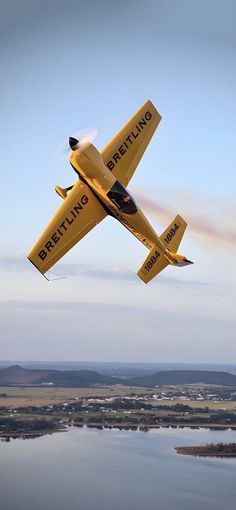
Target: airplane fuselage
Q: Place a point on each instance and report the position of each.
(88, 163)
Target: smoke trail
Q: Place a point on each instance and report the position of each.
(207, 228)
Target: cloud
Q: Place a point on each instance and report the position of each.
(112, 273)
(79, 330)
(112, 319)
(20, 263)
(14, 263)
(152, 315)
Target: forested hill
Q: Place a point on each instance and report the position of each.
(16, 375)
(172, 377)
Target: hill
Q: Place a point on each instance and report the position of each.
(172, 377)
(18, 376)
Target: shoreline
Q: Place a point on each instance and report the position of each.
(202, 451)
(32, 433)
(173, 425)
(120, 426)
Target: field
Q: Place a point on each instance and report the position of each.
(224, 405)
(29, 396)
(23, 397)
(57, 406)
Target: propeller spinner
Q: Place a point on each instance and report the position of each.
(83, 135)
(73, 143)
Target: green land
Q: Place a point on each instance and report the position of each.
(32, 411)
(209, 450)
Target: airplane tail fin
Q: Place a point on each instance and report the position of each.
(172, 236)
(158, 259)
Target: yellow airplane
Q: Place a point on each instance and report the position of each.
(100, 191)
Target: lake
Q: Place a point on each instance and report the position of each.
(93, 469)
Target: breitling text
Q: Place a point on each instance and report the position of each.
(63, 227)
(129, 140)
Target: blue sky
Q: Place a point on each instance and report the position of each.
(68, 65)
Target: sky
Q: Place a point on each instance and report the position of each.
(67, 65)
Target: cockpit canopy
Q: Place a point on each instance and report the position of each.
(122, 199)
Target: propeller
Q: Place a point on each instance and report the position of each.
(73, 140)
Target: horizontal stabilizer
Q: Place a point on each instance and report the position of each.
(155, 262)
(158, 259)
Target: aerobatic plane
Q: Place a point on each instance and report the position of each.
(100, 190)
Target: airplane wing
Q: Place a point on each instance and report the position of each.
(77, 215)
(123, 153)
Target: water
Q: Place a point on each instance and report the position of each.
(93, 469)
